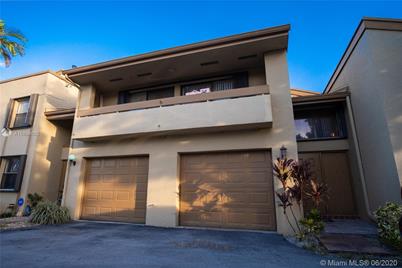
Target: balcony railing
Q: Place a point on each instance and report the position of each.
(234, 109)
(211, 96)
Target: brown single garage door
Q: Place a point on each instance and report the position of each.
(116, 189)
(227, 190)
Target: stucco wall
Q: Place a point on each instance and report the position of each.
(256, 110)
(163, 151)
(42, 142)
(372, 74)
(388, 70)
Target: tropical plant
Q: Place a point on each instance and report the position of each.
(283, 172)
(10, 211)
(48, 212)
(301, 175)
(312, 225)
(295, 177)
(317, 192)
(388, 217)
(34, 199)
(11, 43)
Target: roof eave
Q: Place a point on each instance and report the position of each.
(273, 31)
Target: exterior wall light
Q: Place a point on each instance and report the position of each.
(72, 159)
(283, 152)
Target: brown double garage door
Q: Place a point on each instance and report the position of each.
(221, 190)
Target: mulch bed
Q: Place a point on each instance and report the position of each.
(16, 223)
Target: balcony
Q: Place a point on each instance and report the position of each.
(234, 109)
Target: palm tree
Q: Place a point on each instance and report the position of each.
(11, 43)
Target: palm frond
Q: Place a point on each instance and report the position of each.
(11, 43)
(6, 56)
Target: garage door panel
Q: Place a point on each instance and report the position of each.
(122, 195)
(200, 187)
(205, 175)
(112, 171)
(231, 190)
(250, 218)
(126, 163)
(248, 198)
(107, 195)
(208, 218)
(91, 195)
(115, 189)
(93, 178)
(110, 203)
(95, 163)
(106, 212)
(110, 163)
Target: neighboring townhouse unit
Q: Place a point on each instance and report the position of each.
(371, 70)
(31, 142)
(325, 135)
(184, 136)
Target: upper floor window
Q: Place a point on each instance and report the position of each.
(11, 172)
(321, 122)
(145, 94)
(231, 81)
(21, 112)
(216, 84)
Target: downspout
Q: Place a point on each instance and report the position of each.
(359, 159)
(67, 175)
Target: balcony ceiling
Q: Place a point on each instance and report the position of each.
(233, 53)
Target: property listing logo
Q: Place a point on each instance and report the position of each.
(5, 132)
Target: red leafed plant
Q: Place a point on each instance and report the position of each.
(294, 177)
(283, 169)
(318, 191)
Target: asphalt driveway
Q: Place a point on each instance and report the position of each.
(89, 244)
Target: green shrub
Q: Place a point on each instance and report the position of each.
(7, 214)
(311, 226)
(48, 212)
(34, 199)
(388, 217)
(10, 211)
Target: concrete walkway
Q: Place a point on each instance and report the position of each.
(355, 227)
(353, 236)
(89, 244)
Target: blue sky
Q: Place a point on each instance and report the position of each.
(65, 33)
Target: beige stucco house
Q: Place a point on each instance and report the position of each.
(31, 141)
(370, 69)
(186, 137)
(150, 149)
